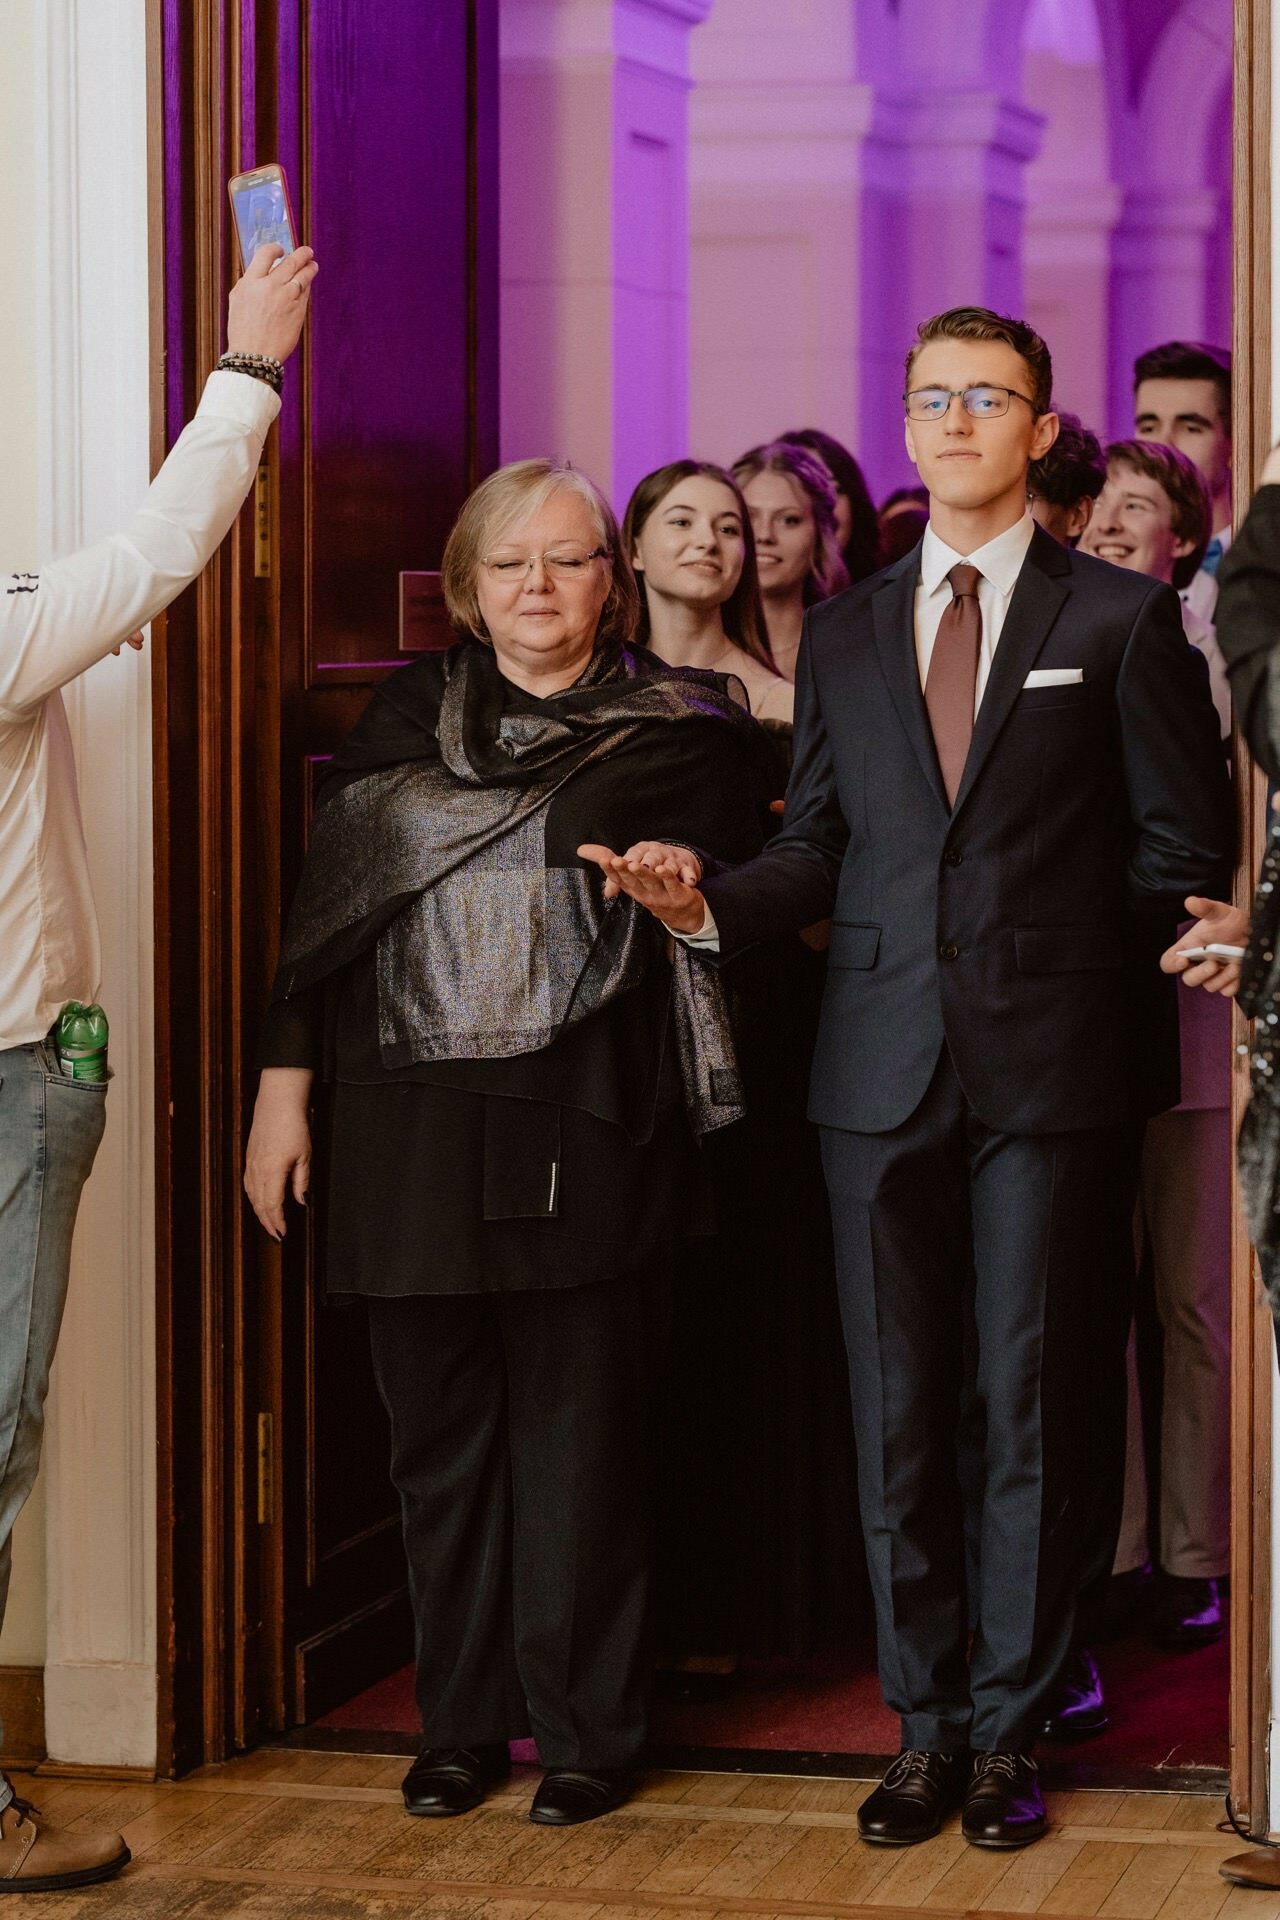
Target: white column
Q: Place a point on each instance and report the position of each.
(92, 276)
(841, 191)
(1159, 259)
(594, 234)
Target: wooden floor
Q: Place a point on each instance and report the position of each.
(311, 1836)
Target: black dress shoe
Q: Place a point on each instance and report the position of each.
(1004, 1806)
(1189, 1613)
(917, 1793)
(446, 1780)
(1126, 1605)
(1079, 1708)
(566, 1798)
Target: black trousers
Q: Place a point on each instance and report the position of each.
(521, 1449)
(977, 1272)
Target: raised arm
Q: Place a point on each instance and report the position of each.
(55, 624)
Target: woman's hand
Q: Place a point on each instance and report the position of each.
(660, 877)
(1217, 924)
(279, 1151)
(134, 640)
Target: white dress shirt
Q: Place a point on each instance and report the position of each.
(1202, 594)
(52, 626)
(999, 563)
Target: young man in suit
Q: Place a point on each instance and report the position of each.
(1007, 775)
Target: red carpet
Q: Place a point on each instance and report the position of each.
(1167, 1711)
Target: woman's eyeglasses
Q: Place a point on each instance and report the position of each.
(984, 403)
(511, 567)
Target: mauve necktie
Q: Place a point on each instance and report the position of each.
(951, 684)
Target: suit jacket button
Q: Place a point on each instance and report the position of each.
(952, 858)
(948, 950)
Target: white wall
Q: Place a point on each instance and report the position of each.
(22, 1642)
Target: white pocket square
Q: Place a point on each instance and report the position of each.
(1054, 677)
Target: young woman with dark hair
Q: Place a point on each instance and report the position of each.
(688, 535)
(857, 530)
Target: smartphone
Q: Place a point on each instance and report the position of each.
(261, 212)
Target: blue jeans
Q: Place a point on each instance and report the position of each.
(50, 1128)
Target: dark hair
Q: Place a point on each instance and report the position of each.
(1189, 360)
(901, 532)
(827, 574)
(905, 496)
(979, 323)
(1074, 468)
(861, 551)
(1185, 488)
(742, 614)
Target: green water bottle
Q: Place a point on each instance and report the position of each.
(80, 1041)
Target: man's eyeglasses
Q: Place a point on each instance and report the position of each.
(984, 403)
(511, 567)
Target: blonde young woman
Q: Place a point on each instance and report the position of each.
(791, 498)
(688, 532)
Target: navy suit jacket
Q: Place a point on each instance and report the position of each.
(1008, 926)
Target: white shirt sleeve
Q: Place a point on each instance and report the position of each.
(707, 937)
(55, 624)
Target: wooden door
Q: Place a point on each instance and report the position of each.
(282, 1578)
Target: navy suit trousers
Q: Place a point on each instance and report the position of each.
(984, 1282)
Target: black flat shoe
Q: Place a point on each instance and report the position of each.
(1188, 1613)
(1079, 1709)
(1004, 1806)
(917, 1793)
(444, 1781)
(566, 1798)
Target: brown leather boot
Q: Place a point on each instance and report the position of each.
(38, 1858)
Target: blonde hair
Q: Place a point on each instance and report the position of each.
(506, 498)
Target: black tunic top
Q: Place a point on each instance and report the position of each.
(434, 1177)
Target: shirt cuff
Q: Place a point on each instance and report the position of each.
(251, 403)
(708, 935)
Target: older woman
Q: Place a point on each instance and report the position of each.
(520, 1071)
(791, 497)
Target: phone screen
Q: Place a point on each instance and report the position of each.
(262, 216)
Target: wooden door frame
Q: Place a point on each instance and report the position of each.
(1252, 1337)
(201, 1471)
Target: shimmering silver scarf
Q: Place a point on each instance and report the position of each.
(483, 950)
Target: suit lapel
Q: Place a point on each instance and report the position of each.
(893, 608)
(1043, 585)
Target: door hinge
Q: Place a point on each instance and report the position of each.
(266, 1470)
(263, 556)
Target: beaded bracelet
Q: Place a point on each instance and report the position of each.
(259, 366)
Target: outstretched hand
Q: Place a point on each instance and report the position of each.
(662, 878)
(1217, 924)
